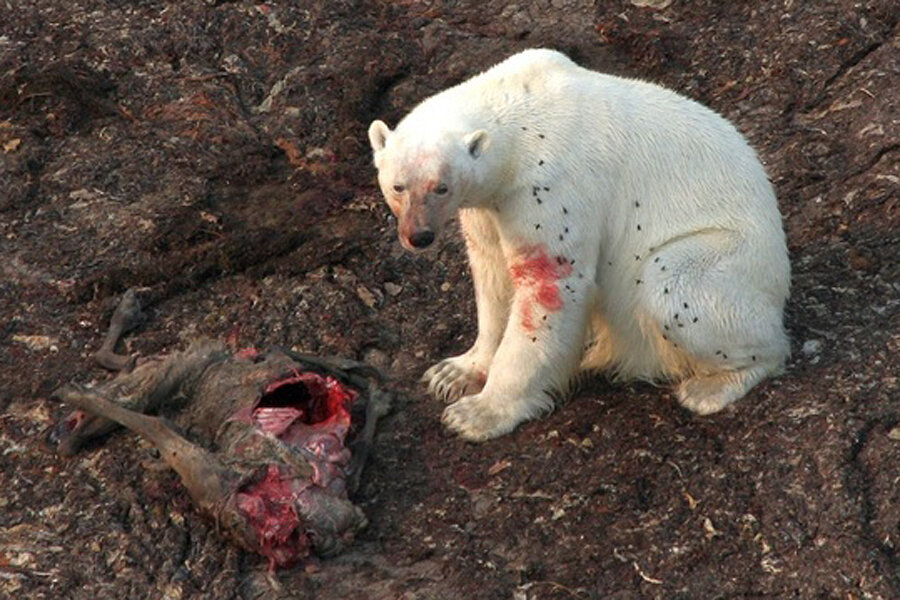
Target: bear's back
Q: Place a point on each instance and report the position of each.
(640, 141)
(536, 61)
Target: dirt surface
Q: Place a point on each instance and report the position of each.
(213, 154)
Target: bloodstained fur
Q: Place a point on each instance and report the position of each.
(535, 270)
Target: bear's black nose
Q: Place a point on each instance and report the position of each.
(422, 239)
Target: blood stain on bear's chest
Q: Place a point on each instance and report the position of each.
(538, 273)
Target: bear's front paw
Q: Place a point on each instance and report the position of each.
(454, 378)
(477, 418)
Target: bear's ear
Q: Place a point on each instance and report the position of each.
(477, 142)
(378, 135)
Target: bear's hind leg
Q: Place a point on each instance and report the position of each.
(707, 394)
(717, 304)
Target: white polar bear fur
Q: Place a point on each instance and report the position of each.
(677, 264)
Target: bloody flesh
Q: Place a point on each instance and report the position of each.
(319, 399)
(309, 413)
(269, 508)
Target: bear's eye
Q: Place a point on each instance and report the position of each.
(441, 189)
(399, 188)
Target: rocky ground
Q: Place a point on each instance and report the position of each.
(213, 154)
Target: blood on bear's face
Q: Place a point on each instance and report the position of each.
(422, 202)
(423, 182)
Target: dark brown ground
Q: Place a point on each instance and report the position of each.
(214, 154)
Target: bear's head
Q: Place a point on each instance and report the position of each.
(426, 176)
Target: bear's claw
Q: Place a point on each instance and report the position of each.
(449, 380)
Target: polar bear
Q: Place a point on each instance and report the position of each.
(610, 224)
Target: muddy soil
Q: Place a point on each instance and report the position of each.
(213, 154)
